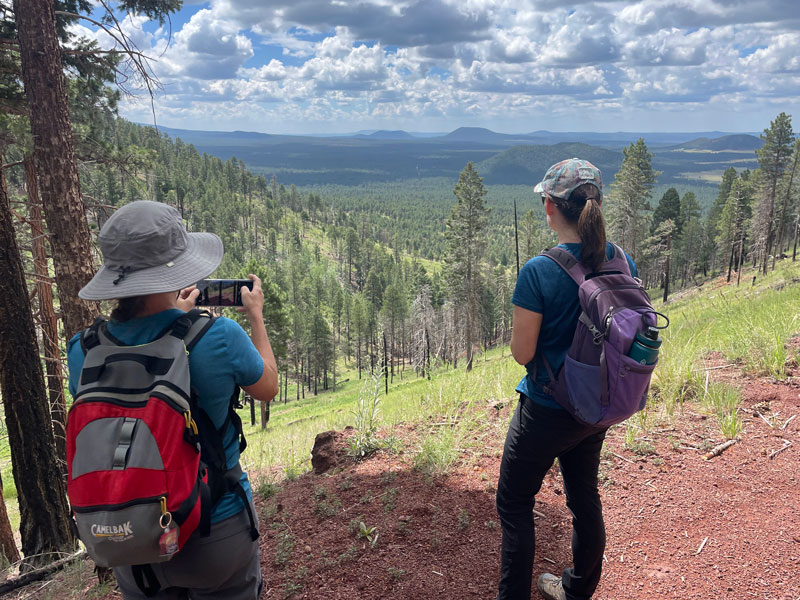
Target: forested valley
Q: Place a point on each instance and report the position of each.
(351, 288)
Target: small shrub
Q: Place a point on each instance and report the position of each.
(354, 522)
(366, 440)
(326, 506)
(463, 519)
(403, 527)
(266, 488)
(438, 454)
(370, 534)
(347, 555)
(290, 588)
(389, 499)
(643, 448)
(284, 548)
(389, 477)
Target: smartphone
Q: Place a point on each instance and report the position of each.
(222, 292)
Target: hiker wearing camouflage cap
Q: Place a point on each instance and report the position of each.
(563, 177)
(546, 311)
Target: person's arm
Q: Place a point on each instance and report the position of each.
(266, 388)
(525, 334)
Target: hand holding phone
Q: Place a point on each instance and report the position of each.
(222, 292)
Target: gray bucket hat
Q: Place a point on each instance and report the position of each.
(147, 250)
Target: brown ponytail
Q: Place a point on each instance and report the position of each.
(583, 207)
(591, 228)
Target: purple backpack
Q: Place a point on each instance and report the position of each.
(599, 383)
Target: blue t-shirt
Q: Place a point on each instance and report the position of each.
(543, 287)
(222, 358)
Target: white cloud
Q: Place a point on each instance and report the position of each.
(207, 47)
(304, 62)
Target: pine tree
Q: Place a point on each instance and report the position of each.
(630, 194)
(773, 159)
(669, 207)
(466, 245)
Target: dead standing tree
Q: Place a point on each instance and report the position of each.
(48, 319)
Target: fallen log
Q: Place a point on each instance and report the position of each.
(37, 574)
(717, 450)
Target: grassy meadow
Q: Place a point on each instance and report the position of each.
(748, 325)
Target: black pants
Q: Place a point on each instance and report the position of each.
(536, 436)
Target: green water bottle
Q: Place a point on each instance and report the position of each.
(644, 349)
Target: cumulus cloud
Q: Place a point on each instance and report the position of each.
(208, 47)
(436, 61)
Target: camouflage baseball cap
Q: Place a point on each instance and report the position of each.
(565, 176)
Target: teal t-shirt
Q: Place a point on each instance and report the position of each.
(543, 287)
(222, 358)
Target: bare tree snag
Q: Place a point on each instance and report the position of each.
(54, 153)
(44, 524)
(48, 319)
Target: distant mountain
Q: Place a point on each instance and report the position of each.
(526, 165)
(201, 134)
(500, 158)
(735, 143)
(383, 134)
(480, 135)
(618, 139)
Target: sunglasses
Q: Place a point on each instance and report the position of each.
(544, 197)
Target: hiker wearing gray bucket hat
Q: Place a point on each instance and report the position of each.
(150, 265)
(546, 312)
(147, 250)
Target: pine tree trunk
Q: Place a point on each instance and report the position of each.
(741, 261)
(45, 90)
(9, 553)
(666, 274)
(731, 258)
(44, 520)
(47, 315)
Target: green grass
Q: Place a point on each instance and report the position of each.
(450, 397)
(748, 325)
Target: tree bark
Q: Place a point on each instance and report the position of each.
(47, 316)
(44, 520)
(8, 545)
(54, 153)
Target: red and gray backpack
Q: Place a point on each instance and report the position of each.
(146, 464)
(599, 384)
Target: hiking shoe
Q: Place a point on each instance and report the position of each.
(550, 587)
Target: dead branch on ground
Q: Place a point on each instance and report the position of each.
(717, 450)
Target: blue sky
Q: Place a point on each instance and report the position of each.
(332, 66)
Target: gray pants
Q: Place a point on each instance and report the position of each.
(225, 565)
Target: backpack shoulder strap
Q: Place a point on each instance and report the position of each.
(200, 322)
(90, 336)
(618, 262)
(567, 261)
(97, 333)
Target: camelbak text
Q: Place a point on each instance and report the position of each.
(112, 530)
